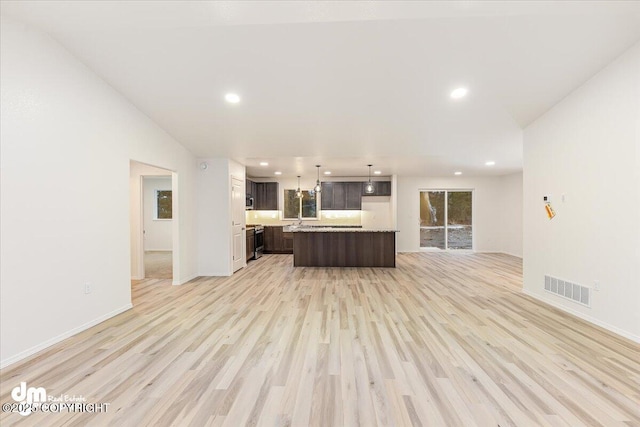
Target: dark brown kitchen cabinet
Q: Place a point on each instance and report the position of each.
(269, 242)
(266, 196)
(250, 188)
(353, 195)
(380, 188)
(341, 196)
(276, 241)
(326, 196)
(287, 242)
(250, 243)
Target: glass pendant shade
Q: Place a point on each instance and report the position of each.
(368, 188)
(318, 187)
(298, 191)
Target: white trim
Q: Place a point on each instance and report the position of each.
(446, 218)
(582, 316)
(48, 343)
(178, 282)
(496, 251)
(215, 274)
(509, 253)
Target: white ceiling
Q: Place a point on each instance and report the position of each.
(343, 84)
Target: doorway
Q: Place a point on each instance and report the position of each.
(238, 197)
(157, 233)
(153, 222)
(446, 219)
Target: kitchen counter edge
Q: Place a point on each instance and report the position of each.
(289, 229)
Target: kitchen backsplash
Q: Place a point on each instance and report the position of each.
(326, 217)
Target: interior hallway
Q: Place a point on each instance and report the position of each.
(158, 264)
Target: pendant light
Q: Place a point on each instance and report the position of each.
(368, 188)
(298, 191)
(318, 187)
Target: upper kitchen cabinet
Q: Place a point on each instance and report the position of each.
(341, 196)
(326, 196)
(266, 196)
(380, 188)
(353, 195)
(250, 188)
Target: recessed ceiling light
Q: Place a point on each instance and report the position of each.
(377, 172)
(277, 173)
(233, 98)
(490, 163)
(264, 164)
(461, 92)
(457, 173)
(327, 172)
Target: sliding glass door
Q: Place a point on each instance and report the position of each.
(432, 219)
(446, 219)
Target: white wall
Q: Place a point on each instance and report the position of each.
(215, 244)
(157, 232)
(511, 213)
(376, 212)
(495, 206)
(587, 148)
(66, 140)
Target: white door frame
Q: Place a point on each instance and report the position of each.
(138, 220)
(238, 250)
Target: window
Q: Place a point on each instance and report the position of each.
(164, 202)
(446, 219)
(300, 208)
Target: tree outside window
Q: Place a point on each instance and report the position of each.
(164, 204)
(300, 208)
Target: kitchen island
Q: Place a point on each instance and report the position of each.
(343, 247)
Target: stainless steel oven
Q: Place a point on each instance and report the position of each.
(259, 241)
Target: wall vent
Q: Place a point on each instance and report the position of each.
(568, 290)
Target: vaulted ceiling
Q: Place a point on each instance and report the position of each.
(343, 84)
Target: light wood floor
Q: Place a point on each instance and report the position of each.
(442, 340)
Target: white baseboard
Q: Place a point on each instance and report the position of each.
(48, 343)
(583, 316)
(509, 253)
(455, 251)
(215, 274)
(182, 281)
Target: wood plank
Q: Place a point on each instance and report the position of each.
(443, 339)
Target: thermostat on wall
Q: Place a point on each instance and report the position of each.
(547, 198)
